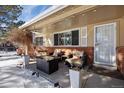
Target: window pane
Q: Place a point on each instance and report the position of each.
(61, 39)
(98, 34)
(68, 38)
(75, 37)
(39, 40)
(55, 39)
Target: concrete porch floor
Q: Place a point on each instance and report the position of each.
(91, 79)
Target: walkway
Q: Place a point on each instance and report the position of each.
(14, 77)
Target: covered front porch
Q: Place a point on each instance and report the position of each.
(84, 29)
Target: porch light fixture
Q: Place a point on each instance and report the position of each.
(63, 11)
(73, 16)
(94, 10)
(83, 14)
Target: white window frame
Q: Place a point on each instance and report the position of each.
(52, 39)
(38, 42)
(44, 39)
(69, 30)
(84, 36)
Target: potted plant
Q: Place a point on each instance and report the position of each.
(75, 73)
(75, 78)
(23, 38)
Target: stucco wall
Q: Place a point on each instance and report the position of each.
(90, 33)
(90, 19)
(77, 17)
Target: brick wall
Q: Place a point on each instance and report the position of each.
(120, 59)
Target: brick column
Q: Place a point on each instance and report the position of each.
(120, 59)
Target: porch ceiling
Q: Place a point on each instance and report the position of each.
(38, 25)
(103, 13)
(88, 15)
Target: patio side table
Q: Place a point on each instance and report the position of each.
(47, 64)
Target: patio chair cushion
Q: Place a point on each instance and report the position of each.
(73, 62)
(77, 62)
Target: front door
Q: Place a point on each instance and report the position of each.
(105, 44)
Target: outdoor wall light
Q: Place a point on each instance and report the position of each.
(73, 16)
(83, 14)
(63, 11)
(94, 10)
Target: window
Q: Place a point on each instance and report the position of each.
(84, 36)
(55, 39)
(67, 38)
(61, 39)
(39, 41)
(75, 37)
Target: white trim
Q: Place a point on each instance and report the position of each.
(52, 39)
(46, 13)
(66, 30)
(44, 38)
(115, 30)
(38, 42)
(69, 30)
(79, 37)
(86, 36)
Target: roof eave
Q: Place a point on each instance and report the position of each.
(43, 15)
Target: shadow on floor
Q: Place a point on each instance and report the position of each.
(105, 72)
(13, 77)
(61, 76)
(95, 78)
